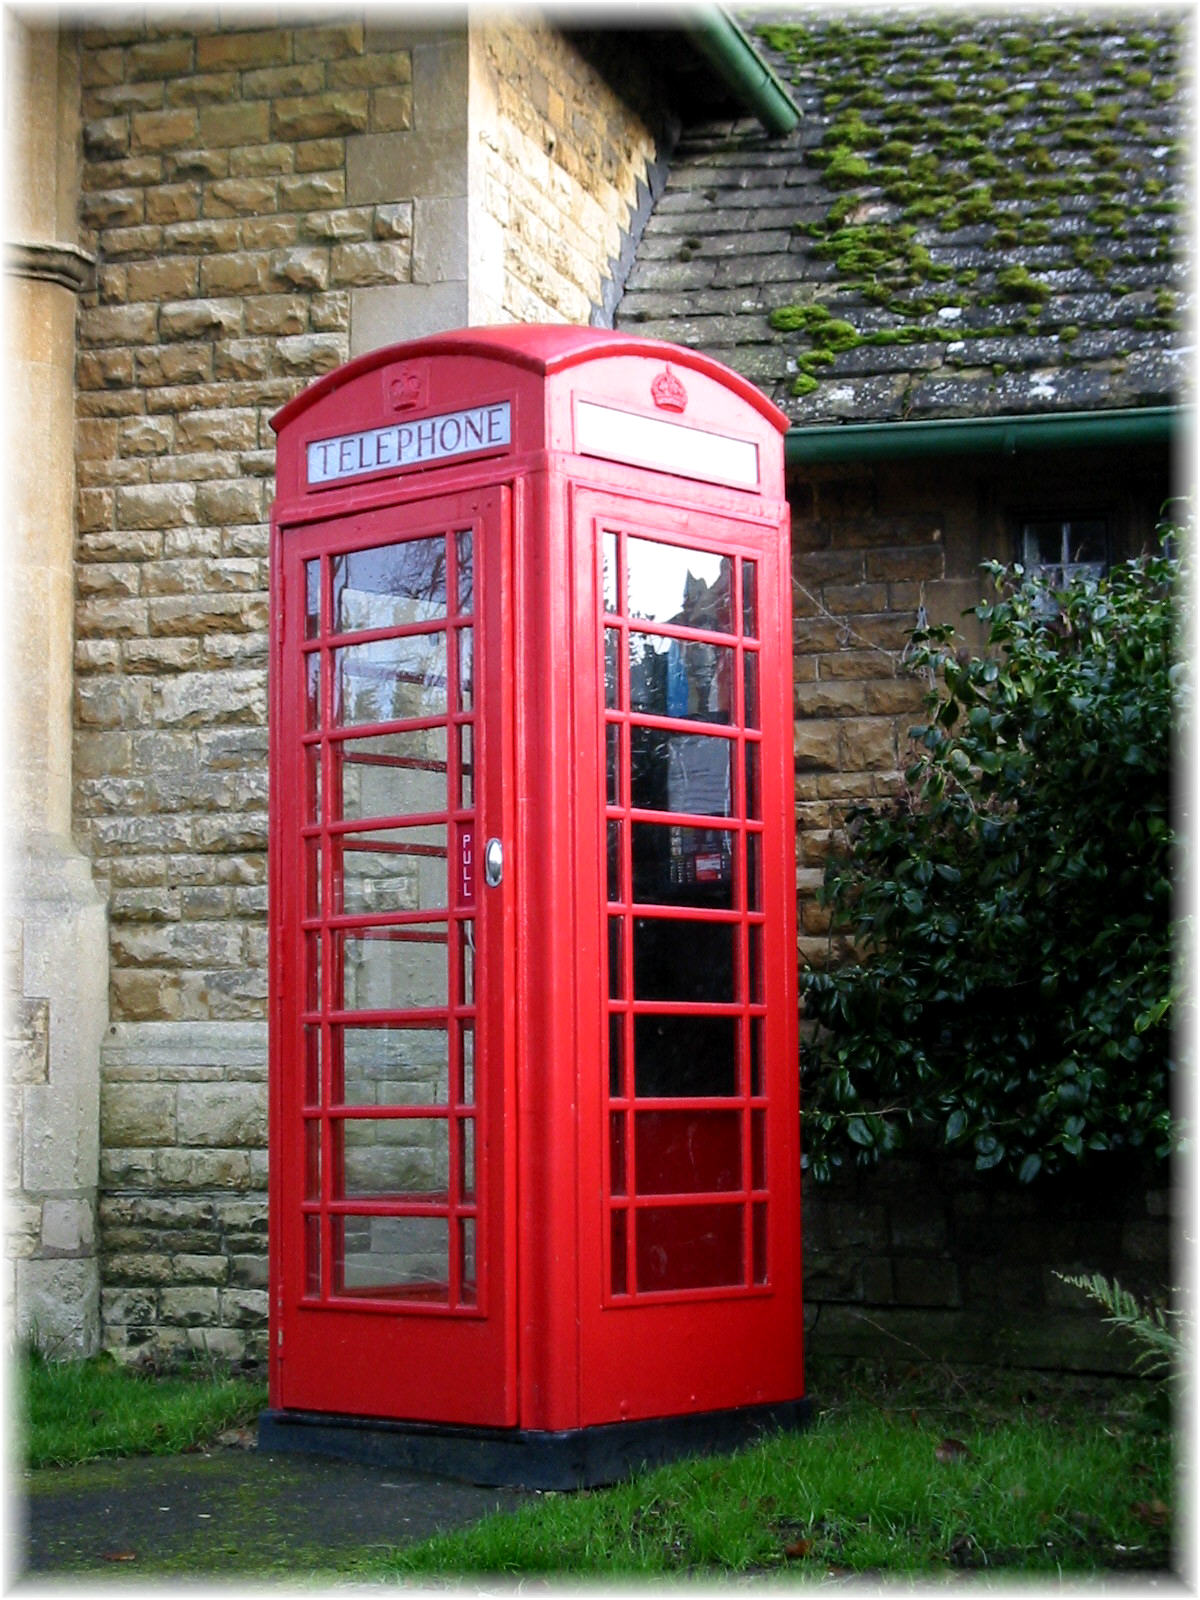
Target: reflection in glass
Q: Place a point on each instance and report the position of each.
(616, 1054)
(466, 767)
(680, 866)
(390, 869)
(468, 1266)
(690, 588)
(616, 1152)
(750, 599)
(407, 1256)
(312, 1159)
(394, 1066)
(689, 1247)
(468, 1063)
(611, 585)
(466, 571)
(753, 784)
(312, 1065)
(614, 861)
(684, 1057)
(391, 586)
(390, 680)
(758, 1224)
(312, 691)
(612, 685)
(619, 1232)
(758, 1150)
(393, 969)
(312, 877)
(466, 668)
(680, 678)
(466, 1160)
(612, 764)
(312, 783)
(312, 599)
(467, 964)
(616, 967)
(312, 1255)
(683, 960)
(390, 774)
(753, 899)
(689, 772)
(384, 1156)
(750, 658)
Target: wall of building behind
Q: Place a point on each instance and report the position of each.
(263, 203)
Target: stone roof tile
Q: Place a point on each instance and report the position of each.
(978, 214)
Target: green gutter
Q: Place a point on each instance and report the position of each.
(752, 82)
(1005, 436)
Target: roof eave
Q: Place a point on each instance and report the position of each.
(749, 78)
(1005, 435)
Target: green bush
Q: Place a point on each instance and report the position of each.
(1010, 915)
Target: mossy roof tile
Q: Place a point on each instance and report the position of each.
(986, 208)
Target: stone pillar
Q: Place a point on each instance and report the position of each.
(56, 938)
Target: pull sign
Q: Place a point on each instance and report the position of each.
(466, 866)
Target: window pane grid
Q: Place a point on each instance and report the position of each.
(346, 1253)
(698, 870)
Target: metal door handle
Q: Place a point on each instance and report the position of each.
(493, 863)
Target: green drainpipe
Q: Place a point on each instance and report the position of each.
(1004, 436)
(738, 64)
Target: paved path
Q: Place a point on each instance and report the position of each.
(222, 1511)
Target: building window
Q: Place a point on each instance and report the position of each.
(1059, 549)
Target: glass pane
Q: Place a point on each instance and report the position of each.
(391, 586)
(753, 901)
(466, 669)
(312, 972)
(312, 877)
(384, 1156)
(756, 966)
(614, 860)
(756, 1055)
(758, 1150)
(468, 1064)
(468, 1266)
(390, 774)
(751, 666)
(466, 988)
(616, 967)
(686, 1057)
(759, 1225)
(466, 767)
(616, 1055)
(687, 587)
(312, 783)
(680, 678)
(750, 599)
(390, 869)
(688, 772)
(616, 1152)
(612, 764)
(466, 571)
(312, 1159)
(394, 1066)
(466, 1160)
(312, 1255)
(406, 1256)
(312, 691)
(611, 589)
(312, 1066)
(620, 1275)
(393, 969)
(683, 960)
(674, 865)
(689, 1247)
(312, 599)
(390, 680)
(687, 1152)
(612, 654)
(753, 786)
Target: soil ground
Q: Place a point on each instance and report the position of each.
(225, 1511)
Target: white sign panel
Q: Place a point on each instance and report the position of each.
(666, 446)
(410, 444)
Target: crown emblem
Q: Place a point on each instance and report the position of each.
(404, 389)
(668, 393)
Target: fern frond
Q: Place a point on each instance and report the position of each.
(1162, 1333)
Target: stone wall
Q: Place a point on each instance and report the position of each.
(567, 169)
(264, 202)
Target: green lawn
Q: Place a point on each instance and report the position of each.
(921, 1477)
(72, 1411)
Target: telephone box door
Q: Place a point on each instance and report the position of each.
(394, 1174)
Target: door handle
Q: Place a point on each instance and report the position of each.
(493, 863)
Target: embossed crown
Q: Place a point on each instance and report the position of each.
(668, 393)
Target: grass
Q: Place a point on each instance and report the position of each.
(75, 1411)
(899, 1479)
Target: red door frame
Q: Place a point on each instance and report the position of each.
(416, 1358)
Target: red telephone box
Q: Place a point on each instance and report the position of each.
(535, 1197)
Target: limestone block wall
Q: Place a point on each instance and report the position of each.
(263, 203)
(564, 171)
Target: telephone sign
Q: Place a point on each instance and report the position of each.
(534, 1166)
